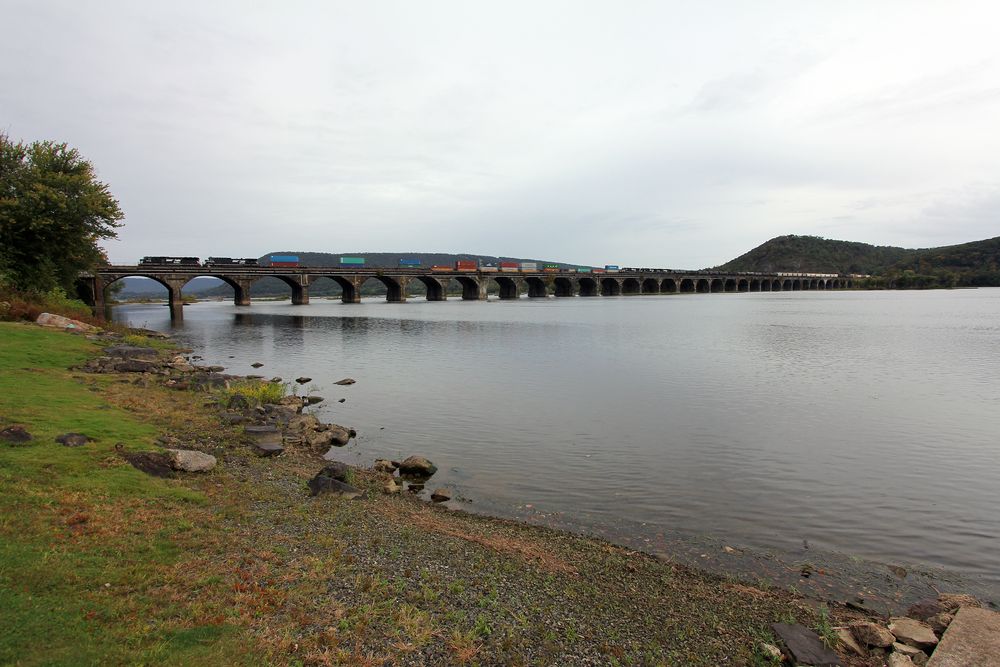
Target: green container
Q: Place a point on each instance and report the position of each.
(352, 260)
(585, 269)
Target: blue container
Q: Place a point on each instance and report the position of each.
(284, 258)
(610, 267)
(409, 262)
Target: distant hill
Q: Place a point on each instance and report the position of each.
(273, 286)
(815, 254)
(968, 264)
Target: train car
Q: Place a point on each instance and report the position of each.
(488, 268)
(598, 271)
(409, 263)
(529, 267)
(509, 267)
(231, 261)
(284, 260)
(466, 265)
(583, 269)
(352, 261)
(170, 261)
(611, 268)
(440, 268)
(550, 268)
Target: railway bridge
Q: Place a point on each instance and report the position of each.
(474, 284)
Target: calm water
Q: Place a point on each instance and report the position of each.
(855, 423)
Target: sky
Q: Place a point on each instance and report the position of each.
(666, 134)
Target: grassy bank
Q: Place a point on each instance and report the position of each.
(100, 563)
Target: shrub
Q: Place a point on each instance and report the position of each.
(258, 391)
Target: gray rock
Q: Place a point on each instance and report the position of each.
(135, 366)
(913, 632)
(189, 460)
(940, 622)
(303, 380)
(73, 439)
(391, 487)
(417, 466)
(256, 364)
(847, 640)
(263, 435)
(384, 465)
(918, 657)
(805, 646)
(900, 660)
(342, 400)
(331, 480)
(871, 634)
(346, 381)
(973, 638)
(60, 322)
(441, 495)
(312, 400)
(15, 434)
(300, 423)
(276, 379)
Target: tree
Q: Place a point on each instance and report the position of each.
(53, 212)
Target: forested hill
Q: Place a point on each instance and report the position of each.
(815, 254)
(967, 264)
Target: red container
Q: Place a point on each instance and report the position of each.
(465, 265)
(284, 263)
(509, 265)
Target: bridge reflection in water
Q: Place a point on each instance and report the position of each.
(474, 284)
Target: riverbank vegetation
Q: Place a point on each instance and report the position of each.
(101, 563)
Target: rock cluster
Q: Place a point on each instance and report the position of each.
(911, 639)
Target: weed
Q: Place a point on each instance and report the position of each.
(825, 628)
(257, 392)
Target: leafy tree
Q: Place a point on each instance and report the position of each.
(53, 212)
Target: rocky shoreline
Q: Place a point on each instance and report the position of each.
(278, 426)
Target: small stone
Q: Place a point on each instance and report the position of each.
(342, 400)
(805, 646)
(847, 639)
(898, 571)
(918, 657)
(331, 480)
(73, 439)
(276, 380)
(729, 549)
(940, 622)
(384, 465)
(303, 380)
(300, 423)
(391, 487)
(871, 634)
(900, 660)
(189, 460)
(265, 449)
(135, 366)
(913, 632)
(15, 434)
(312, 400)
(771, 650)
(441, 495)
(256, 364)
(345, 381)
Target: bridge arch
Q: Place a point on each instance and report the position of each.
(756, 285)
(704, 286)
(742, 285)
(564, 287)
(650, 286)
(537, 289)
(796, 285)
(589, 287)
(610, 287)
(435, 290)
(668, 286)
(631, 286)
(821, 284)
(470, 288)
(395, 288)
(730, 285)
(687, 286)
(718, 285)
(509, 287)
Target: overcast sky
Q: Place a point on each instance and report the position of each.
(675, 134)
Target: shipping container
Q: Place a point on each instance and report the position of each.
(438, 267)
(529, 266)
(409, 262)
(551, 269)
(284, 260)
(583, 269)
(611, 267)
(466, 265)
(509, 266)
(488, 268)
(352, 260)
(598, 271)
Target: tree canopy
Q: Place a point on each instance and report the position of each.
(53, 212)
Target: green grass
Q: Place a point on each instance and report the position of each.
(258, 392)
(87, 543)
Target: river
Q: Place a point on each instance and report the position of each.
(821, 439)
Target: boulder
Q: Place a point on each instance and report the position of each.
(303, 380)
(331, 480)
(848, 641)
(15, 434)
(60, 322)
(263, 435)
(384, 465)
(805, 646)
(73, 439)
(345, 381)
(973, 638)
(900, 660)
(925, 609)
(417, 466)
(913, 632)
(319, 439)
(156, 464)
(264, 449)
(313, 400)
(189, 460)
(871, 634)
(940, 622)
(441, 495)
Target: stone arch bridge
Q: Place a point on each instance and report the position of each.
(474, 284)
